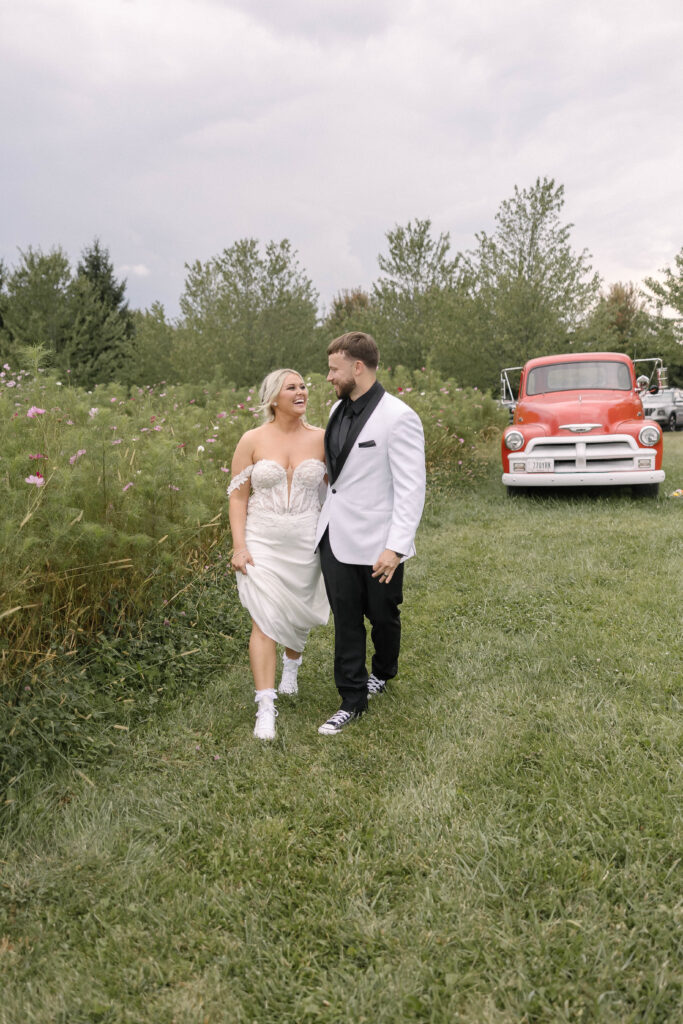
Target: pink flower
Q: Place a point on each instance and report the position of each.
(117, 441)
(38, 456)
(127, 487)
(224, 469)
(221, 415)
(172, 488)
(76, 457)
(10, 383)
(35, 478)
(35, 411)
(93, 412)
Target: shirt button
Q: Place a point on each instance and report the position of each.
(334, 491)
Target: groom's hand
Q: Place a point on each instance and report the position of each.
(386, 566)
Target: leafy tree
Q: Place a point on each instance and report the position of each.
(4, 334)
(155, 340)
(406, 298)
(351, 310)
(245, 313)
(531, 289)
(35, 305)
(620, 322)
(668, 294)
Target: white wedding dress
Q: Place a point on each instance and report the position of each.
(283, 590)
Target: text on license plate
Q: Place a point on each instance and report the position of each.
(540, 465)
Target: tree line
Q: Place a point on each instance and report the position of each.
(522, 291)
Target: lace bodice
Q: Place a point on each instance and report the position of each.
(271, 491)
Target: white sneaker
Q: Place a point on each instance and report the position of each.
(339, 720)
(266, 713)
(290, 667)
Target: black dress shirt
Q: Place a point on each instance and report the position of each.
(349, 409)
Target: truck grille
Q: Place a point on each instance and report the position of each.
(588, 454)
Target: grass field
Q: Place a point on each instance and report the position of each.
(498, 840)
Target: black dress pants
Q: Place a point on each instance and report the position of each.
(354, 595)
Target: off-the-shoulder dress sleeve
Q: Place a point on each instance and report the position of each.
(240, 479)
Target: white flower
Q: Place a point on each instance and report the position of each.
(200, 447)
(93, 412)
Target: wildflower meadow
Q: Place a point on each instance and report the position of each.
(115, 500)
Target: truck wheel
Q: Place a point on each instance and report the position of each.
(671, 422)
(646, 490)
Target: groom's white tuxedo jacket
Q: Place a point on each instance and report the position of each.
(376, 487)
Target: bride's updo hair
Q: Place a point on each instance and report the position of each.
(270, 389)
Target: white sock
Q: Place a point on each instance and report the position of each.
(267, 695)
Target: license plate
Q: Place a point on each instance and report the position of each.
(540, 465)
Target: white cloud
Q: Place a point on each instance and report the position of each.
(137, 270)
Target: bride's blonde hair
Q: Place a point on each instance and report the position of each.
(270, 389)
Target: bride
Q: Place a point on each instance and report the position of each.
(273, 532)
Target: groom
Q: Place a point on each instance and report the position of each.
(374, 450)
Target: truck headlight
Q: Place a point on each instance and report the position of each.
(649, 436)
(514, 440)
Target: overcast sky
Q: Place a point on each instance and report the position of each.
(172, 128)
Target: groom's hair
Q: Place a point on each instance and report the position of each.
(356, 345)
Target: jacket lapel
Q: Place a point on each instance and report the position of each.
(354, 430)
(329, 461)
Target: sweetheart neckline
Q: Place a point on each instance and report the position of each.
(274, 462)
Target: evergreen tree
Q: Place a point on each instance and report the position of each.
(100, 346)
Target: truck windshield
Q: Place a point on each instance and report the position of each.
(578, 376)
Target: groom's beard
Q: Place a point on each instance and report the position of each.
(345, 388)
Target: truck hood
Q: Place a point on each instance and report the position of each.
(559, 409)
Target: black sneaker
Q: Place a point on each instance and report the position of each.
(337, 722)
(375, 685)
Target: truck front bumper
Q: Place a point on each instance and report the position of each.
(616, 479)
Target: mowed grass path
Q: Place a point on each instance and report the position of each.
(498, 840)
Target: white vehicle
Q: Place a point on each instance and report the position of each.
(665, 407)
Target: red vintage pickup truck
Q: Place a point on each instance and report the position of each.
(578, 421)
